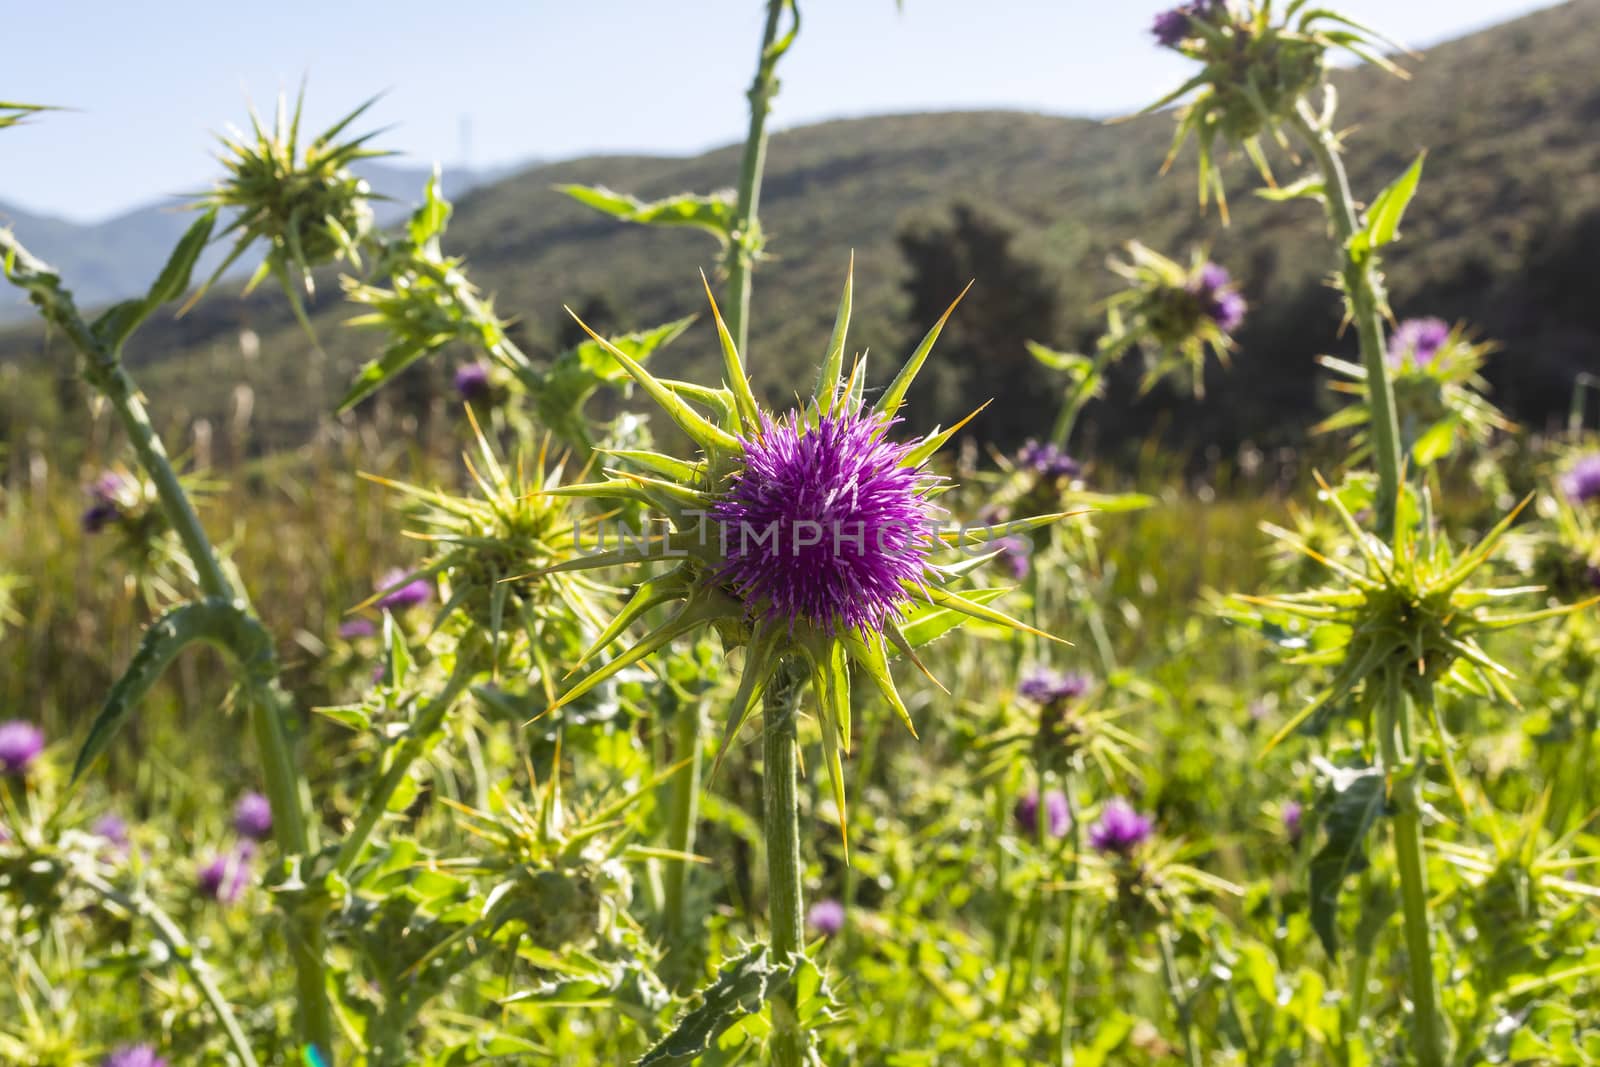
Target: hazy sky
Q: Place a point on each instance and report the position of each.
(151, 81)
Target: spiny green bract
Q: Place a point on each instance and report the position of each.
(1406, 615)
(307, 207)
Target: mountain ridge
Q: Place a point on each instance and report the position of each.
(1511, 190)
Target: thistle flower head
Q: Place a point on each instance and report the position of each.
(356, 628)
(1258, 64)
(826, 917)
(224, 877)
(1417, 342)
(1015, 556)
(1046, 687)
(1412, 615)
(1047, 460)
(113, 830)
(826, 524)
(492, 547)
(134, 1056)
(1173, 314)
(1440, 393)
(252, 817)
(804, 537)
(1293, 819)
(299, 199)
(472, 381)
(1057, 813)
(20, 744)
(400, 589)
(1582, 482)
(1120, 829)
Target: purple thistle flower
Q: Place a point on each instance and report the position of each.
(20, 744)
(1120, 829)
(1014, 554)
(252, 817)
(1171, 27)
(826, 917)
(134, 1056)
(1293, 819)
(1582, 483)
(1058, 817)
(472, 381)
(1049, 687)
(224, 877)
(1421, 339)
(113, 830)
(1219, 297)
(351, 629)
(98, 516)
(1047, 460)
(1594, 575)
(400, 594)
(825, 525)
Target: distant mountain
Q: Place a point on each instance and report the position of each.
(1501, 233)
(110, 260)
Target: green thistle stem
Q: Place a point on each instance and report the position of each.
(744, 246)
(267, 707)
(1366, 309)
(1428, 1038)
(685, 812)
(1066, 975)
(781, 824)
(1180, 1000)
(1067, 419)
(416, 743)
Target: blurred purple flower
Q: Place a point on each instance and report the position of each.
(1594, 575)
(472, 381)
(252, 817)
(351, 629)
(1582, 483)
(1293, 819)
(224, 877)
(1049, 687)
(1047, 460)
(1421, 339)
(1120, 829)
(1014, 554)
(113, 830)
(134, 1056)
(826, 917)
(1171, 27)
(1219, 297)
(20, 744)
(400, 594)
(1058, 817)
(98, 516)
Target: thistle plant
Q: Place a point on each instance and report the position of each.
(1258, 68)
(299, 200)
(808, 540)
(1174, 315)
(1408, 618)
(1439, 393)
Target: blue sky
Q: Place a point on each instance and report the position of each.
(152, 81)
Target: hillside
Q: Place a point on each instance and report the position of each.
(1500, 233)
